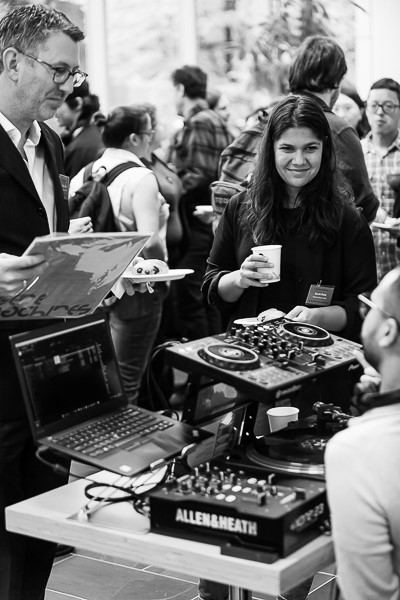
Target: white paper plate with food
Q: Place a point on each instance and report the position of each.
(204, 209)
(153, 270)
(389, 224)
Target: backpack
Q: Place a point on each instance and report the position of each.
(93, 200)
(235, 167)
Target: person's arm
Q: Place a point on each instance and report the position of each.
(362, 536)
(146, 208)
(352, 164)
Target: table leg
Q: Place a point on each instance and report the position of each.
(237, 593)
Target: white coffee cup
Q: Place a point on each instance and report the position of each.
(280, 416)
(273, 253)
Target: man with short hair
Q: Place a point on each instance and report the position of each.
(39, 60)
(382, 156)
(317, 70)
(363, 462)
(195, 153)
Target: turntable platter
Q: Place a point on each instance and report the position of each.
(287, 467)
(230, 356)
(310, 335)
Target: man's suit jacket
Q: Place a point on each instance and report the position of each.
(22, 218)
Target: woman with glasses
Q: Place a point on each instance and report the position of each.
(134, 320)
(298, 200)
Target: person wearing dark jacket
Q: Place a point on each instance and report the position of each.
(38, 69)
(296, 199)
(317, 70)
(81, 138)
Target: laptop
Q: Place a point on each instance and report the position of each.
(76, 403)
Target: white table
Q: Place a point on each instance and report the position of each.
(122, 533)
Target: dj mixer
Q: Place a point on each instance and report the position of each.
(244, 512)
(274, 361)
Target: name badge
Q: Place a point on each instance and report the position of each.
(64, 180)
(320, 295)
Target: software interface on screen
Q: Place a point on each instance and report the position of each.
(69, 371)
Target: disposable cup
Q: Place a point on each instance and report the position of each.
(273, 253)
(280, 416)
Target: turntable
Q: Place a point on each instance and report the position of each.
(297, 449)
(311, 335)
(230, 357)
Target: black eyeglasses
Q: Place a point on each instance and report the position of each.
(366, 304)
(387, 107)
(61, 74)
(150, 132)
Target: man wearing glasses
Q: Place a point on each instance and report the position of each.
(39, 60)
(382, 156)
(363, 461)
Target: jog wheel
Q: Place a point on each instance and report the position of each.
(230, 357)
(310, 335)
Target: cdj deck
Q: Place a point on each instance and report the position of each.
(274, 361)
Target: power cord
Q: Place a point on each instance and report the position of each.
(56, 467)
(156, 394)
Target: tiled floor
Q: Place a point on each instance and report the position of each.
(85, 576)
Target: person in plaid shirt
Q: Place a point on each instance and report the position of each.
(381, 150)
(195, 152)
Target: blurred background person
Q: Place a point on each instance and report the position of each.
(169, 184)
(81, 138)
(351, 108)
(170, 188)
(137, 205)
(196, 150)
(220, 103)
(382, 156)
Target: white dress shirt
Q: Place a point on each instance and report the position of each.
(34, 160)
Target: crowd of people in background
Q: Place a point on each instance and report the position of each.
(317, 171)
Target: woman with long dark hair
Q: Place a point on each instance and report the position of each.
(296, 199)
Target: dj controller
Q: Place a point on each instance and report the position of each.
(274, 361)
(258, 517)
(265, 496)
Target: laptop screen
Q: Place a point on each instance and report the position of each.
(68, 375)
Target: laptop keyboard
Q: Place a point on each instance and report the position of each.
(126, 431)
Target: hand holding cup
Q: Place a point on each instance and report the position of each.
(250, 274)
(272, 269)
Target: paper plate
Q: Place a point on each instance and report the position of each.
(385, 225)
(204, 208)
(169, 276)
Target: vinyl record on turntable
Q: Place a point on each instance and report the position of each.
(300, 453)
(230, 356)
(310, 335)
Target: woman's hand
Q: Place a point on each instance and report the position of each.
(232, 285)
(332, 318)
(304, 314)
(248, 274)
